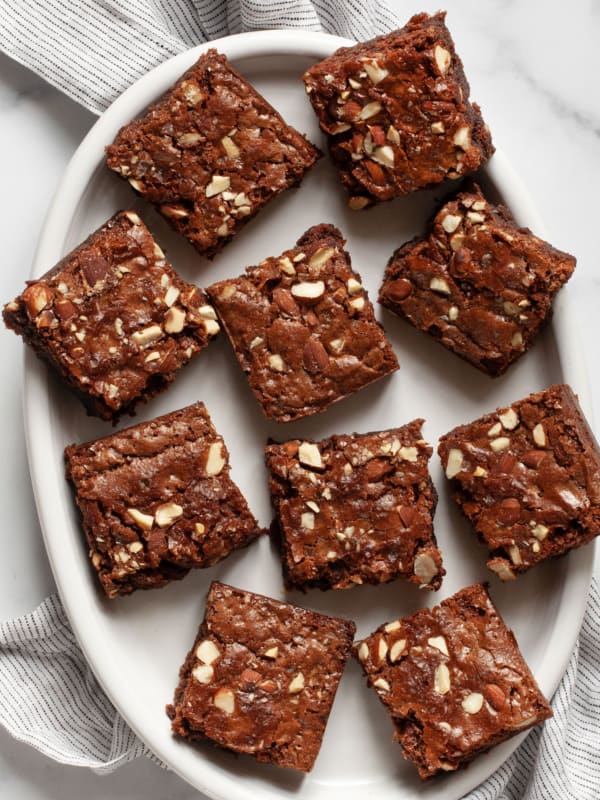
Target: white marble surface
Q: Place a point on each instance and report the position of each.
(532, 67)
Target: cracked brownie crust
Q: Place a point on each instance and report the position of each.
(261, 677)
(453, 680)
(302, 327)
(477, 283)
(397, 113)
(114, 318)
(210, 153)
(528, 479)
(355, 509)
(157, 499)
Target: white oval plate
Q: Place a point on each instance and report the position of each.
(136, 645)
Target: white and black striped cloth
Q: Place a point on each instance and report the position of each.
(92, 50)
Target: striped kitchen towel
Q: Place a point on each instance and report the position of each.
(94, 49)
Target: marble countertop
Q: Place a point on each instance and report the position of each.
(531, 68)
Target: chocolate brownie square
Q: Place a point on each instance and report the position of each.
(157, 499)
(261, 677)
(114, 318)
(355, 509)
(302, 327)
(453, 680)
(397, 113)
(210, 153)
(477, 283)
(527, 477)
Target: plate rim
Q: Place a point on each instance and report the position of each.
(79, 171)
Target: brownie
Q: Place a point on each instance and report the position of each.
(396, 112)
(528, 479)
(157, 499)
(476, 283)
(261, 677)
(114, 318)
(302, 327)
(210, 153)
(355, 509)
(453, 680)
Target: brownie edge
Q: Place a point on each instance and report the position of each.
(261, 677)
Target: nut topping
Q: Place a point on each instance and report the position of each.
(539, 435)
(276, 362)
(363, 652)
(296, 684)
(439, 643)
(147, 335)
(174, 320)
(144, 521)
(203, 673)
(308, 290)
(408, 454)
(442, 58)
(454, 463)
(315, 356)
(218, 184)
(451, 222)
(167, 513)
(215, 460)
(441, 679)
(472, 703)
(321, 256)
(382, 684)
(370, 110)
(462, 138)
(375, 72)
(397, 649)
(224, 699)
(310, 455)
(499, 444)
(439, 285)
(207, 652)
(230, 147)
(509, 419)
(37, 297)
(425, 568)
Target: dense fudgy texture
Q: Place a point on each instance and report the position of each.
(453, 680)
(157, 499)
(397, 113)
(261, 677)
(528, 479)
(302, 327)
(114, 318)
(477, 283)
(355, 509)
(210, 153)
